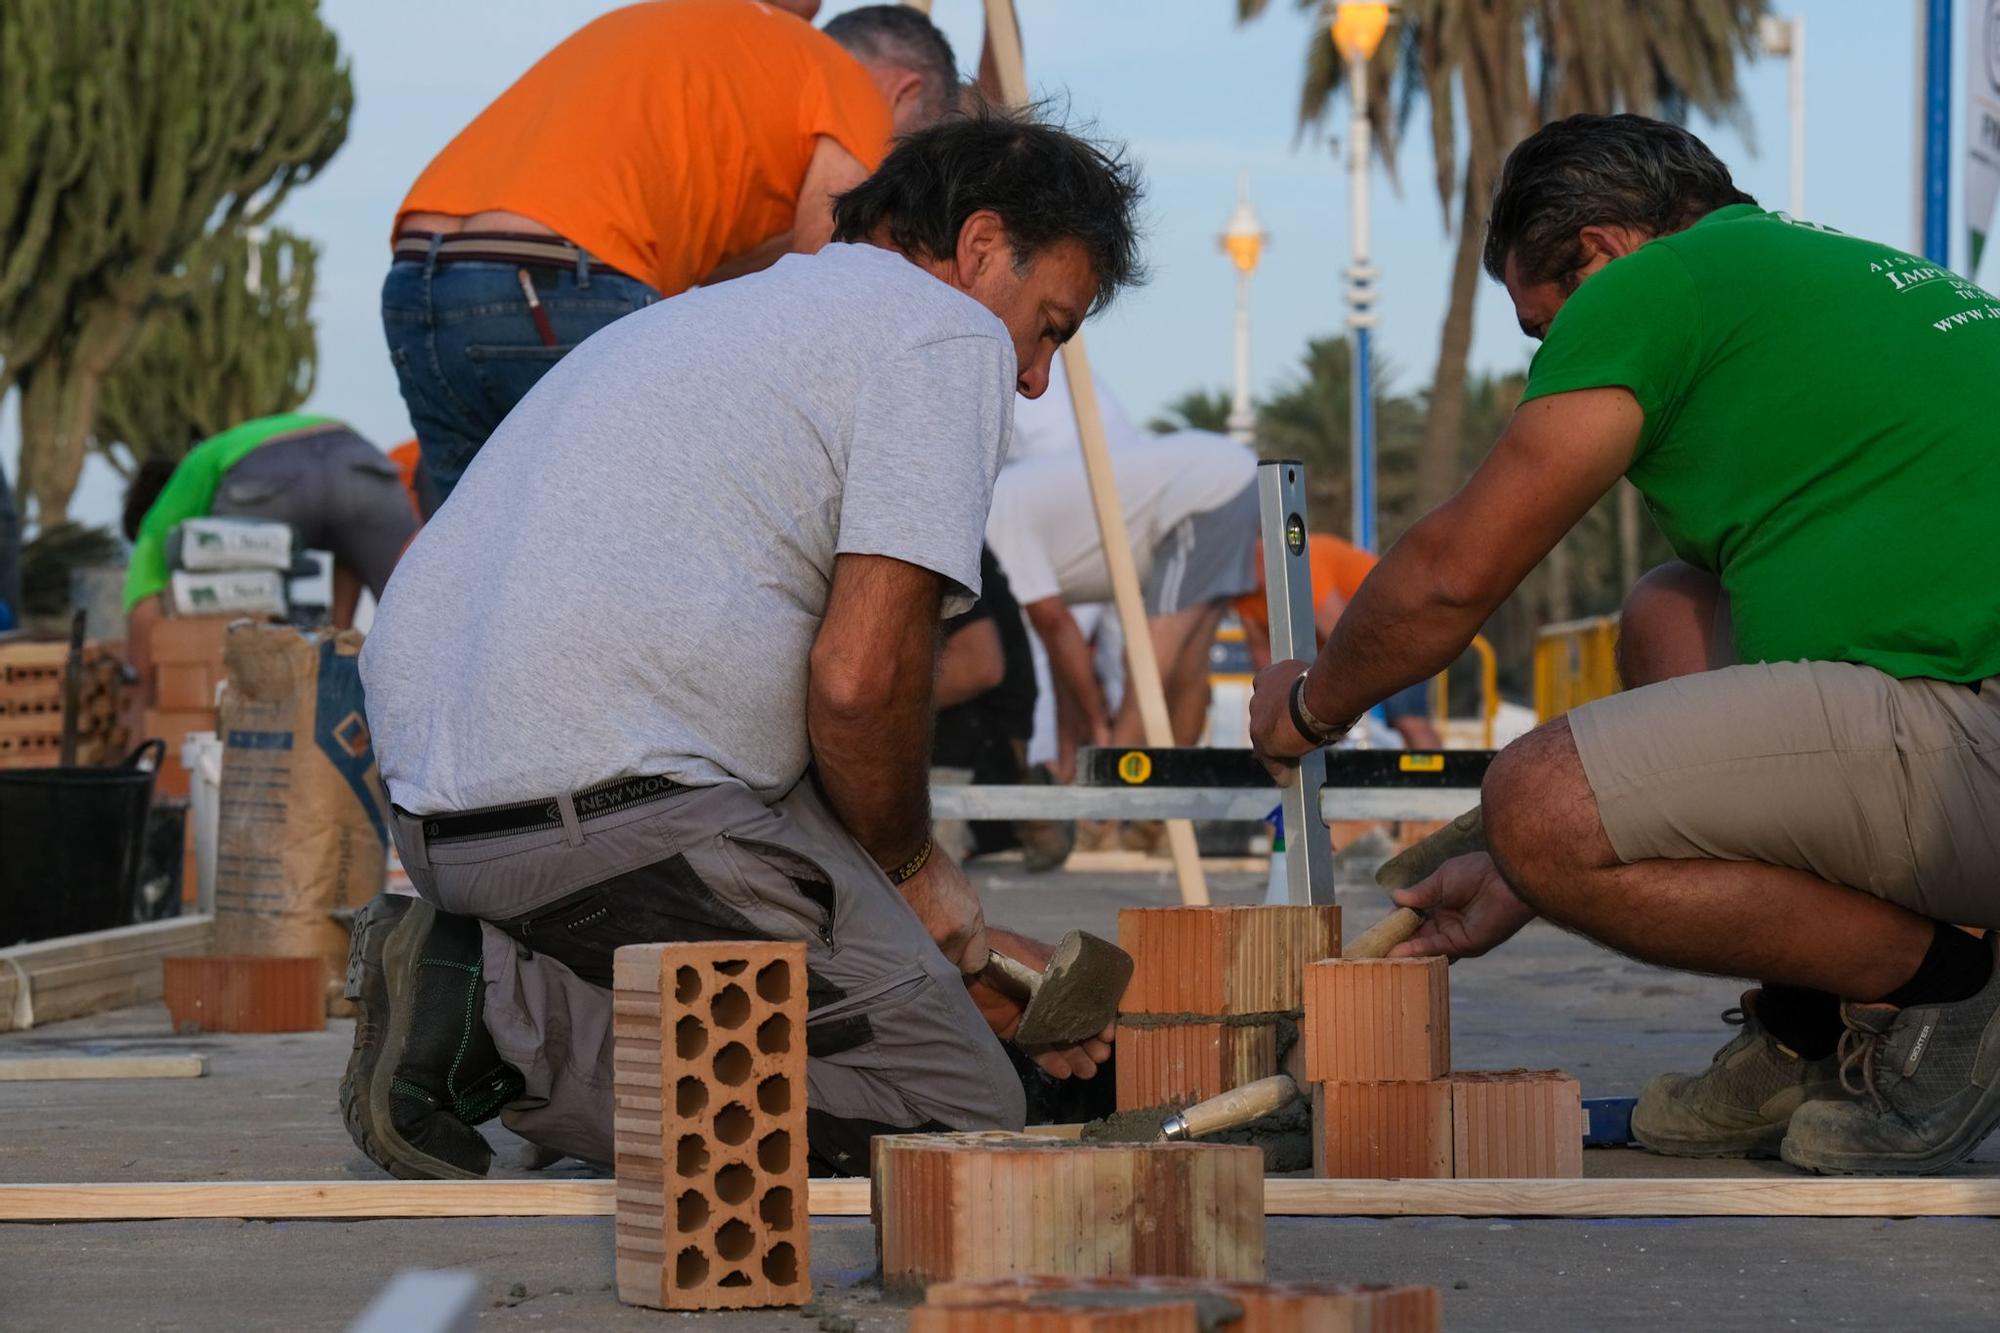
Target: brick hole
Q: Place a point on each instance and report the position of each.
(774, 982)
(732, 1063)
(774, 1095)
(730, 1007)
(735, 1183)
(733, 968)
(687, 984)
(691, 1155)
(690, 1096)
(690, 1037)
(781, 1264)
(774, 1035)
(733, 1239)
(737, 1278)
(733, 1123)
(776, 1208)
(774, 1151)
(690, 1268)
(690, 1210)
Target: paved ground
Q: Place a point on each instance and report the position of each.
(266, 1112)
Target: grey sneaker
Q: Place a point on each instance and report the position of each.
(1739, 1106)
(423, 1071)
(1925, 1085)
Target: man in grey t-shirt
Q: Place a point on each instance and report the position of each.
(662, 670)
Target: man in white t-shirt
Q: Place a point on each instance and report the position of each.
(662, 671)
(1190, 502)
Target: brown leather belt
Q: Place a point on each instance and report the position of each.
(496, 247)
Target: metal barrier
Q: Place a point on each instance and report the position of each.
(1575, 661)
(1489, 692)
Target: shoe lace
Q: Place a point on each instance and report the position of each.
(1859, 1046)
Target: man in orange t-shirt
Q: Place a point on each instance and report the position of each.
(662, 146)
(1338, 568)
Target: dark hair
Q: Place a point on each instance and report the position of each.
(1046, 183)
(899, 35)
(1588, 171)
(148, 480)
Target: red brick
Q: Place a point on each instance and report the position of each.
(1377, 1020)
(1223, 960)
(1516, 1123)
(1382, 1131)
(243, 993)
(1191, 1062)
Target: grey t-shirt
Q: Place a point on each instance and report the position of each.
(630, 576)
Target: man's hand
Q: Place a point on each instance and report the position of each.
(945, 901)
(1468, 909)
(1276, 741)
(1002, 1011)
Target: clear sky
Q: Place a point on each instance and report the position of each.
(1198, 99)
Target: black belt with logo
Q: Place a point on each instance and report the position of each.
(532, 816)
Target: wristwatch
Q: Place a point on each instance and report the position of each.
(1310, 727)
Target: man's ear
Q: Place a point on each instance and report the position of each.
(901, 87)
(982, 244)
(1609, 242)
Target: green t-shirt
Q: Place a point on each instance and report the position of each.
(1822, 433)
(190, 492)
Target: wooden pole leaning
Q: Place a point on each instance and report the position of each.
(1003, 39)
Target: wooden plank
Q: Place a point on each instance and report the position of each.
(193, 932)
(103, 1066)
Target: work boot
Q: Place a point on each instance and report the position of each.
(424, 1071)
(1045, 843)
(1740, 1105)
(1926, 1085)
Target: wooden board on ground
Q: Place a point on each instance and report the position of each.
(101, 969)
(102, 1066)
(1753, 1196)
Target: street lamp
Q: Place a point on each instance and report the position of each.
(1243, 241)
(1787, 37)
(1358, 26)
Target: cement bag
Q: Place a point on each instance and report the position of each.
(301, 837)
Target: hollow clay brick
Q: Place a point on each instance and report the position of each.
(1377, 1020)
(1267, 1307)
(243, 993)
(1382, 1131)
(958, 1207)
(1190, 1062)
(1162, 1315)
(709, 1073)
(1223, 960)
(1516, 1123)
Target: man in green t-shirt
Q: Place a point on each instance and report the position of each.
(1796, 785)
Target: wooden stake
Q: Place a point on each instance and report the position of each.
(1003, 39)
(1733, 1196)
(103, 1066)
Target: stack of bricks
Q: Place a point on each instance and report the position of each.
(709, 1080)
(1215, 994)
(186, 666)
(1060, 1304)
(967, 1207)
(1385, 1103)
(31, 705)
(242, 993)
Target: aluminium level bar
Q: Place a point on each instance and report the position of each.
(1242, 805)
(1281, 511)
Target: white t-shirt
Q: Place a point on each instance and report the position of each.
(630, 577)
(1044, 530)
(1047, 425)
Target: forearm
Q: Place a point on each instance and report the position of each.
(1412, 618)
(1070, 667)
(970, 663)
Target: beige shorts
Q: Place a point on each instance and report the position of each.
(1886, 785)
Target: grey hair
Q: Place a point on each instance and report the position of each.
(901, 36)
(1585, 171)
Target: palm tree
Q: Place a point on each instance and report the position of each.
(1509, 66)
(1197, 409)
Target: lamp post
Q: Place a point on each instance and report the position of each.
(1787, 37)
(1243, 241)
(1358, 26)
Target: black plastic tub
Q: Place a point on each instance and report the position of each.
(71, 841)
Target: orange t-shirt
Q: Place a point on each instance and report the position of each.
(1337, 566)
(663, 137)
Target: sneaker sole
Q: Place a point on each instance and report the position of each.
(371, 1069)
(1955, 1149)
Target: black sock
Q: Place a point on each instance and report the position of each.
(1955, 967)
(1805, 1020)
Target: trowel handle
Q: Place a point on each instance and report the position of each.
(1238, 1106)
(1420, 859)
(1385, 934)
(1016, 973)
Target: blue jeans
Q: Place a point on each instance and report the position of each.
(466, 347)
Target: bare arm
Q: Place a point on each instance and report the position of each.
(969, 664)
(833, 170)
(1070, 663)
(1421, 606)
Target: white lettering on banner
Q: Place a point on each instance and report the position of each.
(1982, 139)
